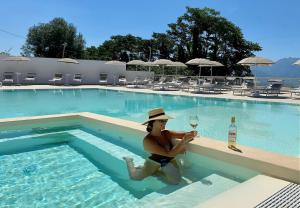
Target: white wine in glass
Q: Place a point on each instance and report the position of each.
(194, 121)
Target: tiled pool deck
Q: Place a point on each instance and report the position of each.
(283, 97)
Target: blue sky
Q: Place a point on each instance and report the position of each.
(274, 24)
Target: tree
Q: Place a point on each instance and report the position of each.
(4, 53)
(164, 45)
(123, 48)
(91, 53)
(203, 33)
(47, 39)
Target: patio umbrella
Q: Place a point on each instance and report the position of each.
(150, 64)
(255, 61)
(297, 63)
(215, 64)
(177, 64)
(201, 62)
(119, 63)
(163, 63)
(136, 63)
(17, 59)
(67, 61)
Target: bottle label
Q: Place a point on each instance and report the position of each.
(232, 138)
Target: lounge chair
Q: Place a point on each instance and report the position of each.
(272, 89)
(147, 81)
(295, 91)
(103, 79)
(77, 79)
(122, 80)
(56, 79)
(204, 86)
(8, 78)
(137, 81)
(165, 83)
(243, 89)
(30, 77)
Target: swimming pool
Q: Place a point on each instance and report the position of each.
(76, 166)
(270, 126)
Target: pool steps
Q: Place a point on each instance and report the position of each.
(190, 195)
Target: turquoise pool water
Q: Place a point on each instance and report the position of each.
(81, 168)
(269, 126)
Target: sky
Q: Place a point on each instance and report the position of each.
(274, 24)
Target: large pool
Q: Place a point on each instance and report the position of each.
(270, 126)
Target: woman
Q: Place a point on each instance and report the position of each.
(158, 142)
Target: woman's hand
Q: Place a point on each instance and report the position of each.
(189, 136)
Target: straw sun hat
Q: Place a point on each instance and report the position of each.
(157, 114)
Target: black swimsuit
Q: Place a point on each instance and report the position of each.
(163, 160)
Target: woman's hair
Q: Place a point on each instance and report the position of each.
(150, 126)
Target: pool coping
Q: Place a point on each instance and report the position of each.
(259, 188)
(227, 96)
(268, 163)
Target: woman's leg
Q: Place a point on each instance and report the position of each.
(141, 172)
(171, 172)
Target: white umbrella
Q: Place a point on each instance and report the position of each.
(163, 63)
(68, 60)
(119, 63)
(150, 64)
(17, 59)
(136, 63)
(215, 64)
(297, 63)
(200, 62)
(255, 61)
(176, 65)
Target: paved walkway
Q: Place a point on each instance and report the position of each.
(283, 98)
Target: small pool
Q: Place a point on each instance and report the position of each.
(80, 167)
(269, 126)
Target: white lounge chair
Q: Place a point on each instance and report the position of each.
(30, 77)
(77, 79)
(56, 79)
(122, 80)
(295, 91)
(272, 89)
(8, 78)
(243, 89)
(103, 79)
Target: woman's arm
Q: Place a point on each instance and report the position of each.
(153, 147)
(180, 135)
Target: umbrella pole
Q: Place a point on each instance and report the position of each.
(211, 81)
(199, 71)
(254, 76)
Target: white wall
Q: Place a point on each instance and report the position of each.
(45, 68)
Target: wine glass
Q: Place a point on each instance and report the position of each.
(194, 120)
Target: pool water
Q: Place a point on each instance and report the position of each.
(56, 176)
(270, 126)
(81, 168)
